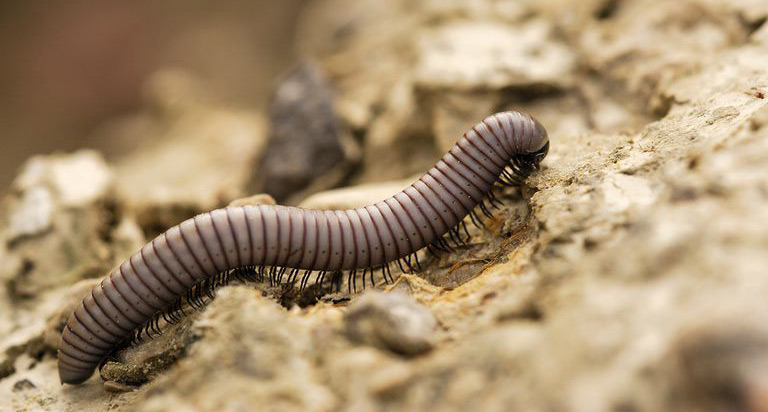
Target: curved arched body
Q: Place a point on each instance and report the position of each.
(266, 235)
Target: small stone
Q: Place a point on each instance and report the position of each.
(22, 385)
(391, 321)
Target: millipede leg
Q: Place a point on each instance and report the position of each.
(484, 209)
(292, 276)
(210, 289)
(418, 264)
(320, 278)
(304, 279)
(191, 297)
(336, 278)
(444, 243)
(450, 236)
(261, 273)
(495, 203)
(400, 264)
(466, 230)
(476, 219)
(181, 307)
(407, 260)
(351, 279)
(457, 233)
(384, 272)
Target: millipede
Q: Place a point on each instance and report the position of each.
(189, 259)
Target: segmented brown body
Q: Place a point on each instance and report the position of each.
(265, 235)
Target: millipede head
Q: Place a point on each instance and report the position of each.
(523, 138)
(527, 163)
(539, 143)
(533, 147)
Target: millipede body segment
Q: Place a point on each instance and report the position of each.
(503, 147)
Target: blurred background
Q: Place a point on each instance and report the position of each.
(68, 66)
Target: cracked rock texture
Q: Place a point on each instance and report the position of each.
(629, 274)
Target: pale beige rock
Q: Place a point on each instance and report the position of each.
(452, 110)
(506, 11)
(647, 45)
(269, 360)
(259, 199)
(622, 192)
(49, 183)
(487, 55)
(58, 209)
(355, 196)
(33, 215)
(199, 155)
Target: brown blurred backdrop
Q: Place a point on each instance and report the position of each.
(67, 66)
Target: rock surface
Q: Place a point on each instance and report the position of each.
(629, 274)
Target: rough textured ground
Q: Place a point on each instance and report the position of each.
(630, 274)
